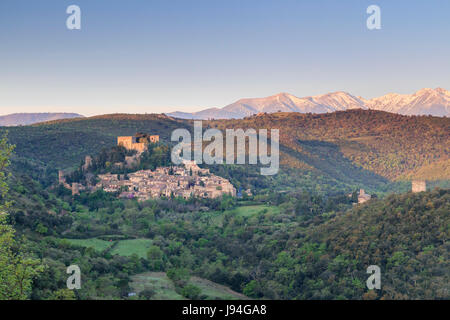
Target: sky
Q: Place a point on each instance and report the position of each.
(147, 56)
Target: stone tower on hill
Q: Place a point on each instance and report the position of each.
(138, 142)
(419, 186)
(363, 197)
(61, 177)
(87, 163)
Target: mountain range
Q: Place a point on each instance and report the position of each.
(22, 119)
(426, 101)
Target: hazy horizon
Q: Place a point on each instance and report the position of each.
(175, 109)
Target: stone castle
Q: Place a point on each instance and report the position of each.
(138, 142)
(363, 196)
(184, 181)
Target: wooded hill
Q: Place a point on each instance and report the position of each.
(305, 247)
(387, 144)
(307, 243)
(354, 147)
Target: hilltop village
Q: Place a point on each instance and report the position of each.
(188, 181)
(184, 181)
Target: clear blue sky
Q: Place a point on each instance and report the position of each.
(159, 56)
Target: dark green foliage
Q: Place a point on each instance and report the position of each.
(298, 237)
(50, 146)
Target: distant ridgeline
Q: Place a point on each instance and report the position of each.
(332, 152)
(139, 167)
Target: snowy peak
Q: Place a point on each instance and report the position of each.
(286, 102)
(443, 91)
(339, 100)
(423, 102)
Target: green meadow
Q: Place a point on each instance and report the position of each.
(96, 244)
(120, 247)
(248, 211)
(132, 246)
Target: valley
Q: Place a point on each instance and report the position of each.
(247, 159)
(300, 234)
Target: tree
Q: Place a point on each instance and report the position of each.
(63, 294)
(155, 257)
(147, 293)
(5, 151)
(16, 269)
(191, 291)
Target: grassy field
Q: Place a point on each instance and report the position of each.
(247, 211)
(95, 243)
(157, 281)
(140, 246)
(165, 290)
(215, 291)
(121, 247)
(132, 246)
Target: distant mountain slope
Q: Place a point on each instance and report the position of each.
(353, 146)
(21, 119)
(424, 102)
(387, 144)
(207, 114)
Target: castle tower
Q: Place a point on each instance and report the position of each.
(363, 196)
(87, 163)
(61, 177)
(418, 186)
(75, 188)
(126, 142)
(154, 138)
(138, 143)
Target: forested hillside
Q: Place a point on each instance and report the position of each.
(407, 236)
(44, 148)
(387, 144)
(348, 149)
(298, 236)
(300, 246)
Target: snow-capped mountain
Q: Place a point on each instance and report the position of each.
(425, 101)
(286, 102)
